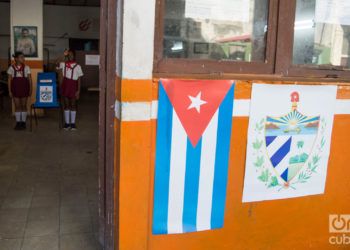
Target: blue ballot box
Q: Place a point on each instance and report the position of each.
(46, 92)
(46, 97)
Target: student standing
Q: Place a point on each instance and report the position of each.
(70, 88)
(20, 88)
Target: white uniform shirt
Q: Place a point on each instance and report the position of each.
(11, 71)
(78, 72)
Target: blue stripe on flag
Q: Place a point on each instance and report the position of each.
(281, 153)
(269, 140)
(222, 160)
(162, 164)
(193, 161)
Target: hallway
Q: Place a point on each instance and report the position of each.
(49, 183)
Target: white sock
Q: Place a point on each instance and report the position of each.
(73, 115)
(66, 116)
(24, 116)
(18, 116)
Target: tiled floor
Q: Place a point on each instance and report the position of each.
(48, 183)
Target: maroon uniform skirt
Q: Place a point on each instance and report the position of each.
(20, 87)
(69, 88)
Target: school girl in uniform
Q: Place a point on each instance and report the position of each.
(20, 88)
(70, 88)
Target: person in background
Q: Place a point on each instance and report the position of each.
(25, 44)
(20, 88)
(70, 83)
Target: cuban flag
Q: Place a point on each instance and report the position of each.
(192, 155)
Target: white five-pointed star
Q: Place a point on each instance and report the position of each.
(196, 102)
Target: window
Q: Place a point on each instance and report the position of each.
(208, 36)
(240, 36)
(321, 34)
(234, 30)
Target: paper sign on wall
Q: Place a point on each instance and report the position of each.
(289, 141)
(92, 60)
(226, 10)
(333, 11)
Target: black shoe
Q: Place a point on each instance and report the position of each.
(23, 125)
(73, 127)
(18, 126)
(66, 126)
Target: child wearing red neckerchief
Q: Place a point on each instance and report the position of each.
(71, 74)
(20, 88)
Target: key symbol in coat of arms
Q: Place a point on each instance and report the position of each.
(290, 140)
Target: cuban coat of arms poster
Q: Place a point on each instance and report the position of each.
(289, 140)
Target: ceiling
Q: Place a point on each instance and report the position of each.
(69, 2)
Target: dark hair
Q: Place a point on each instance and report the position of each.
(17, 54)
(71, 53)
(25, 29)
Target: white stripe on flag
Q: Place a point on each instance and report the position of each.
(177, 176)
(206, 178)
(277, 144)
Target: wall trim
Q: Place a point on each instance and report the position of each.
(146, 111)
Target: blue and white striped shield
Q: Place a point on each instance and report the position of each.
(289, 142)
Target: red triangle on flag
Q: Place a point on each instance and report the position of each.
(195, 102)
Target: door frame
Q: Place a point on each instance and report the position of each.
(108, 175)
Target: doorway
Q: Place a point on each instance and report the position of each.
(54, 191)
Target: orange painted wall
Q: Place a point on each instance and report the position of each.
(3, 64)
(299, 223)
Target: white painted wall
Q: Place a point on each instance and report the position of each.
(28, 13)
(138, 39)
(63, 21)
